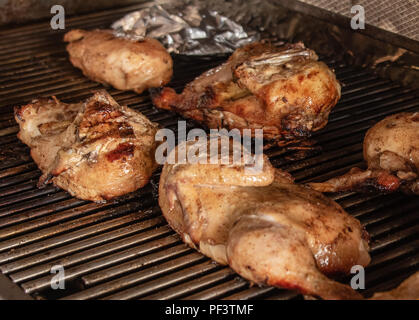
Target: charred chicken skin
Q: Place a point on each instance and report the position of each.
(283, 90)
(122, 63)
(96, 150)
(391, 150)
(267, 228)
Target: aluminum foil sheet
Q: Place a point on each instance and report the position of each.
(190, 31)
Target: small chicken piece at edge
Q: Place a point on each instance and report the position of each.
(391, 150)
(123, 63)
(407, 290)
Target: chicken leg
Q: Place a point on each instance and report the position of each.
(391, 150)
(267, 228)
(283, 90)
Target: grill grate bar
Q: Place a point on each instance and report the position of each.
(407, 219)
(70, 236)
(72, 247)
(261, 292)
(18, 195)
(139, 276)
(387, 97)
(73, 272)
(43, 28)
(216, 292)
(385, 241)
(408, 263)
(165, 281)
(252, 292)
(180, 290)
(15, 189)
(391, 255)
(58, 217)
(63, 215)
(32, 74)
(17, 170)
(392, 202)
(379, 112)
(389, 282)
(59, 200)
(47, 80)
(133, 265)
(70, 260)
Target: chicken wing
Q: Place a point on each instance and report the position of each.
(96, 150)
(391, 150)
(120, 62)
(283, 90)
(267, 228)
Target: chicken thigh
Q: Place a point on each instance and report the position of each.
(120, 62)
(283, 90)
(267, 228)
(95, 150)
(391, 150)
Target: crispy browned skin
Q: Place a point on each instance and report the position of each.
(283, 90)
(267, 228)
(122, 63)
(95, 150)
(391, 150)
(407, 290)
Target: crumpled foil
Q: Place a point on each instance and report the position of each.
(191, 31)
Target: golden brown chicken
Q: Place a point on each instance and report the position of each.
(267, 228)
(120, 62)
(391, 150)
(283, 90)
(96, 150)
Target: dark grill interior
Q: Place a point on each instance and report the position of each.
(125, 249)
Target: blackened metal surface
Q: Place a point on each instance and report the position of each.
(400, 16)
(124, 249)
(18, 11)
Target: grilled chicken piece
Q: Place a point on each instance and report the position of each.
(122, 63)
(267, 228)
(407, 290)
(283, 90)
(391, 150)
(96, 150)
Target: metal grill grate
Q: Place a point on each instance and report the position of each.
(125, 249)
(395, 16)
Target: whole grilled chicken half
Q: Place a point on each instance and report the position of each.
(267, 228)
(96, 150)
(283, 90)
(391, 150)
(120, 62)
